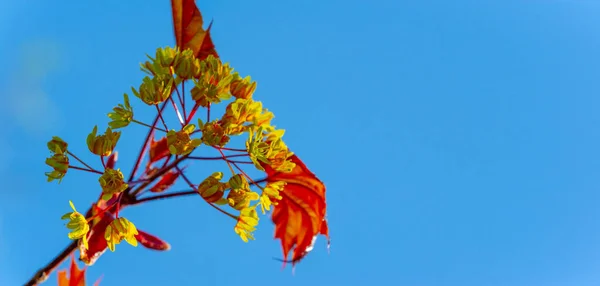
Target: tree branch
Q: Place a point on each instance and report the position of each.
(163, 196)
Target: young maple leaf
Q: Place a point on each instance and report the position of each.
(158, 149)
(299, 215)
(97, 242)
(165, 182)
(189, 34)
(76, 276)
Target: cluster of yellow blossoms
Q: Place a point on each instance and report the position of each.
(213, 83)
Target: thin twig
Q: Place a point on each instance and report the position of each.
(177, 111)
(80, 161)
(84, 169)
(217, 158)
(147, 125)
(161, 117)
(156, 175)
(145, 145)
(163, 196)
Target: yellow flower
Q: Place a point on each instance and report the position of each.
(270, 195)
(102, 145)
(214, 134)
(78, 224)
(180, 142)
(120, 229)
(246, 224)
(154, 90)
(57, 145)
(242, 88)
(122, 115)
(112, 182)
(212, 85)
(211, 189)
(240, 195)
(60, 164)
(187, 65)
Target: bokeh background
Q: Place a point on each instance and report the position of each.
(458, 140)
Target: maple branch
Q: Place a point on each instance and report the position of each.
(42, 274)
(163, 196)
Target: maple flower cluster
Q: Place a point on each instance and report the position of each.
(212, 83)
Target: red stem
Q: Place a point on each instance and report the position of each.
(176, 194)
(208, 113)
(192, 113)
(87, 170)
(183, 103)
(233, 149)
(145, 145)
(161, 117)
(217, 158)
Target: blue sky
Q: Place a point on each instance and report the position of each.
(458, 140)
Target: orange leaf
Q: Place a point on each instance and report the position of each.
(76, 275)
(151, 241)
(300, 215)
(158, 149)
(189, 34)
(166, 181)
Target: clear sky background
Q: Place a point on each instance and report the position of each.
(459, 140)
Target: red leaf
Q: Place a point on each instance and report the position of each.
(158, 149)
(189, 34)
(96, 241)
(151, 241)
(166, 181)
(300, 215)
(112, 159)
(76, 275)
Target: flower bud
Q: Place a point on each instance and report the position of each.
(242, 88)
(102, 145)
(60, 164)
(122, 115)
(112, 182)
(180, 142)
(57, 145)
(211, 189)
